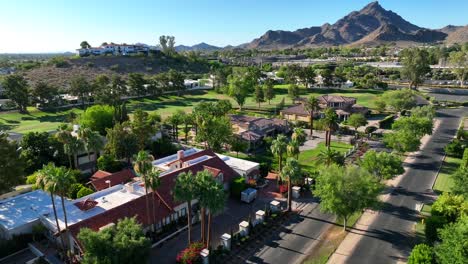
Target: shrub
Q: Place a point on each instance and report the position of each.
(31, 179)
(237, 186)
(370, 129)
(83, 192)
(421, 254)
(387, 122)
(191, 254)
(98, 118)
(163, 147)
(74, 189)
(432, 224)
(109, 163)
(455, 148)
(114, 67)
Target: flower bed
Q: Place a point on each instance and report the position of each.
(190, 255)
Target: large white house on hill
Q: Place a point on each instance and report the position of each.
(115, 49)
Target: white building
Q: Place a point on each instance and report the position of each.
(115, 49)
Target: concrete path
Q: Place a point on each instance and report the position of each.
(319, 136)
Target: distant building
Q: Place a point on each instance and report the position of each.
(115, 49)
(344, 106)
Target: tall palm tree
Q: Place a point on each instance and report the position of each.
(185, 190)
(293, 149)
(291, 173)
(63, 179)
(215, 203)
(143, 167)
(204, 180)
(331, 123)
(45, 181)
(312, 106)
(299, 135)
(64, 136)
(278, 148)
(153, 183)
(330, 156)
(92, 141)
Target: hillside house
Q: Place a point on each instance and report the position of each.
(115, 49)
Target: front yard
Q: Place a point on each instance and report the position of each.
(308, 158)
(444, 181)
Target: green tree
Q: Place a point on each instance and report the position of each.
(177, 80)
(85, 191)
(279, 148)
(124, 243)
(17, 90)
(418, 126)
(356, 120)
(38, 149)
(121, 142)
(449, 206)
(307, 76)
(402, 141)
(92, 141)
(312, 106)
(421, 254)
(98, 118)
(291, 173)
(80, 87)
(185, 190)
(142, 127)
(346, 190)
(399, 100)
(299, 135)
(426, 111)
(11, 164)
(85, 45)
(45, 94)
(215, 203)
(72, 145)
(144, 168)
(175, 120)
(293, 92)
(215, 132)
(460, 61)
(136, 82)
(460, 182)
(415, 65)
(259, 95)
(238, 89)
(329, 157)
(452, 249)
(382, 164)
(238, 145)
(46, 180)
(293, 149)
(167, 44)
(268, 90)
(330, 121)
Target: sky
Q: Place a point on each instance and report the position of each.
(60, 25)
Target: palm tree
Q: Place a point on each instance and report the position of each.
(299, 135)
(143, 167)
(153, 183)
(330, 156)
(311, 106)
(291, 173)
(63, 179)
(293, 149)
(278, 148)
(215, 203)
(185, 190)
(331, 123)
(45, 181)
(203, 181)
(64, 136)
(92, 141)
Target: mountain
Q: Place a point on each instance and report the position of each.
(458, 35)
(198, 47)
(370, 25)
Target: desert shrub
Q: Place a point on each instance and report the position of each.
(237, 186)
(83, 192)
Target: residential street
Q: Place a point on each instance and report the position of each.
(387, 236)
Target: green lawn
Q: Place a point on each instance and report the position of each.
(307, 158)
(444, 181)
(37, 120)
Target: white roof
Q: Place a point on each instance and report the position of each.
(107, 199)
(163, 162)
(239, 164)
(25, 208)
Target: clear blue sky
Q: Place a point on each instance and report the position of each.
(60, 25)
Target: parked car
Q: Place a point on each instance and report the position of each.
(248, 195)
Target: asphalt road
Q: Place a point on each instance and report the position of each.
(390, 236)
(293, 244)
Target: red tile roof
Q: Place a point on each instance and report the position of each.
(98, 180)
(133, 208)
(87, 204)
(215, 163)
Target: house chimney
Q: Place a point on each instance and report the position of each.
(180, 154)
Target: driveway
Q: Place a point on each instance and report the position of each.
(235, 212)
(387, 236)
(319, 136)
